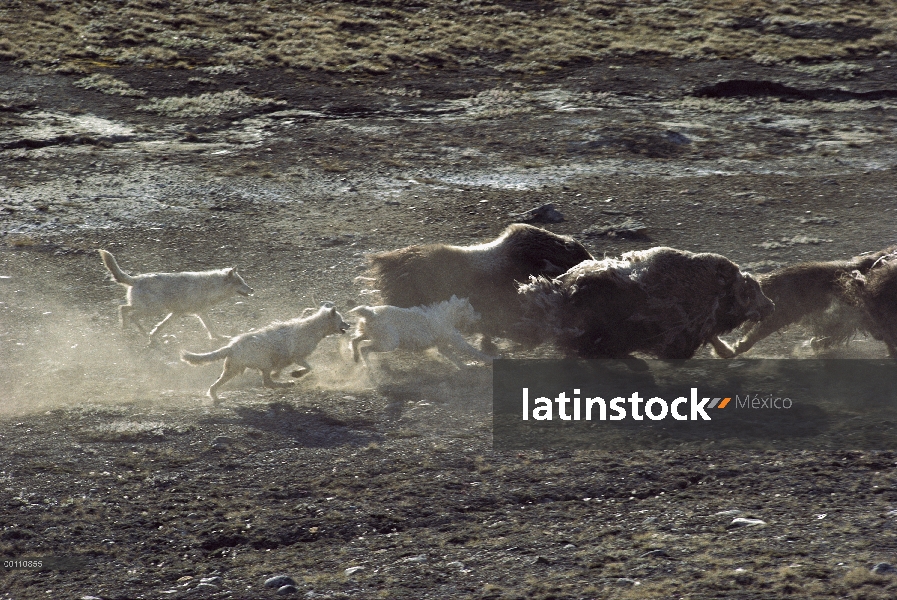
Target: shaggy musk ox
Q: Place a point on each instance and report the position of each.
(663, 302)
(486, 274)
(812, 292)
(875, 294)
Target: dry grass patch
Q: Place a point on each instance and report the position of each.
(107, 84)
(204, 105)
(378, 36)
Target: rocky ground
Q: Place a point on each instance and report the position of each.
(357, 489)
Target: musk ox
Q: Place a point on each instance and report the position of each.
(812, 292)
(875, 294)
(663, 302)
(486, 274)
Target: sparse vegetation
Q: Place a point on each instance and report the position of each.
(381, 36)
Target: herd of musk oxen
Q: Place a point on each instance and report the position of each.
(531, 286)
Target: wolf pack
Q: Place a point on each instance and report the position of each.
(531, 287)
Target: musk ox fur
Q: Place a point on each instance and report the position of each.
(875, 294)
(812, 293)
(486, 274)
(662, 302)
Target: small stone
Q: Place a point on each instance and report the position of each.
(745, 522)
(541, 560)
(627, 581)
(212, 580)
(287, 589)
(627, 228)
(352, 571)
(222, 439)
(547, 213)
(279, 581)
(884, 568)
(416, 559)
(456, 564)
(727, 513)
(655, 554)
(208, 587)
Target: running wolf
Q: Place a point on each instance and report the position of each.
(387, 328)
(188, 293)
(273, 348)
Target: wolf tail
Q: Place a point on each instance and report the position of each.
(201, 359)
(119, 275)
(362, 311)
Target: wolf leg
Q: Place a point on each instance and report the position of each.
(204, 319)
(126, 313)
(230, 371)
(156, 329)
(305, 369)
(270, 383)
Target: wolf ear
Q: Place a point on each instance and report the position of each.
(332, 310)
(232, 272)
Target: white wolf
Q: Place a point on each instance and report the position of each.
(389, 328)
(273, 348)
(187, 293)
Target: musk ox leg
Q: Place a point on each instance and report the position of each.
(758, 332)
(722, 349)
(487, 345)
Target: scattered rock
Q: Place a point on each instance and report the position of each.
(211, 580)
(628, 229)
(884, 568)
(793, 241)
(541, 560)
(655, 554)
(727, 513)
(677, 138)
(456, 564)
(415, 559)
(817, 221)
(761, 266)
(222, 440)
(208, 587)
(627, 581)
(745, 522)
(279, 581)
(352, 571)
(547, 213)
(287, 589)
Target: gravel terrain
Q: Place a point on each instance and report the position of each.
(355, 488)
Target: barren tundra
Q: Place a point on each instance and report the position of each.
(290, 140)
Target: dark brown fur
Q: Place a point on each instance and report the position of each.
(811, 291)
(875, 294)
(486, 274)
(663, 302)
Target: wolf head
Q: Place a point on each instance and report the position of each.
(460, 312)
(337, 324)
(236, 283)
